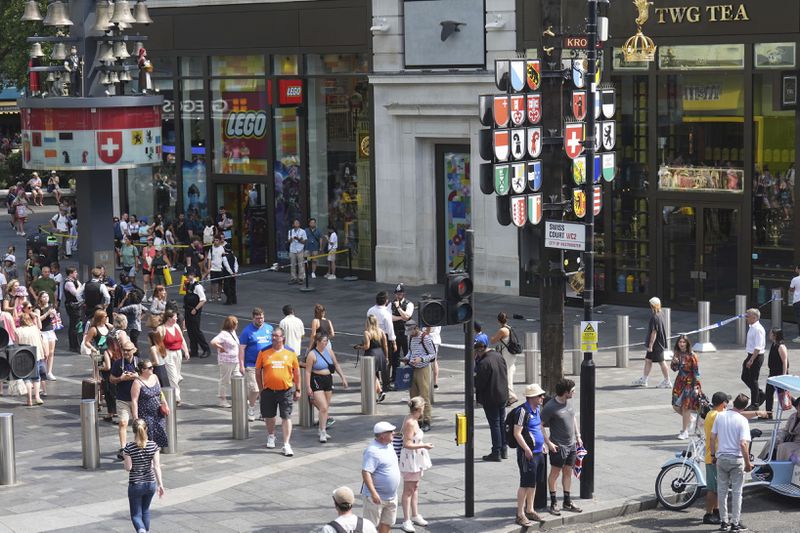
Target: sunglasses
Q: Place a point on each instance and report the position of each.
(147, 368)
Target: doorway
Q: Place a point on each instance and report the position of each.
(454, 206)
(247, 205)
(699, 254)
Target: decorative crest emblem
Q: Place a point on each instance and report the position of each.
(518, 208)
(534, 175)
(534, 208)
(517, 74)
(533, 70)
(502, 181)
(517, 109)
(573, 139)
(579, 202)
(579, 104)
(534, 105)
(518, 178)
(501, 144)
(534, 141)
(501, 113)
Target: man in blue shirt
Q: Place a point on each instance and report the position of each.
(532, 443)
(255, 337)
(380, 472)
(313, 236)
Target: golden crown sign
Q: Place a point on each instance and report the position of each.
(640, 47)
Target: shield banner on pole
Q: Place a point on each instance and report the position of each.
(579, 202)
(518, 178)
(573, 139)
(597, 200)
(534, 208)
(501, 67)
(609, 166)
(578, 73)
(534, 175)
(501, 114)
(597, 172)
(518, 143)
(501, 144)
(518, 210)
(502, 182)
(534, 141)
(534, 106)
(517, 74)
(609, 102)
(579, 170)
(596, 105)
(579, 104)
(517, 109)
(533, 74)
(609, 128)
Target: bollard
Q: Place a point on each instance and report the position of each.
(241, 429)
(90, 438)
(666, 314)
(368, 404)
(306, 408)
(531, 357)
(172, 421)
(8, 460)
(704, 337)
(623, 339)
(776, 309)
(350, 276)
(307, 270)
(741, 323)
(577, 354)
(430, 388)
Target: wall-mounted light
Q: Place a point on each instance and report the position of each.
(381, 26)
(496, 23)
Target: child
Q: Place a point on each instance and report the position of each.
(333, 245)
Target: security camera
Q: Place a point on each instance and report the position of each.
(496, 23)
(381, 27)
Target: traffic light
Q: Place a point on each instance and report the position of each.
(458, 297)
(432, 312)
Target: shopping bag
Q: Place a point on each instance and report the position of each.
(402, 378)
(182, 286)
(167, 276)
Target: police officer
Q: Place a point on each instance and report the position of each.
(402, 311)
(193, 302)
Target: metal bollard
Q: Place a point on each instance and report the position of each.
(623, 339)
(776, 308)
(741, 324)
(306, 408)
(577, 354)
(432, 395)
(531, 357)
(90, 438)
(8, 460)
(666, 313)
(704, 337)
(172, 421)
(241, 429)
(368, 404)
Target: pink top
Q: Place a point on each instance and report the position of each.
(230, 347)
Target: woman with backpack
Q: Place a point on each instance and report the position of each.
(505, 340)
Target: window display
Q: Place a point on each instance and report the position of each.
(240, 119)
(288, 175)
(194, 126)
(249, 65)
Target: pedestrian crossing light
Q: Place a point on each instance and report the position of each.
(432, 312)
(458, 295)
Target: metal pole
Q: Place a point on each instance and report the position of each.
(306, 408)
(432, 395)
(623, 332)
(241, 429)
(576, 349)
(172, 421)
(368, 404)
(307, 270)
(588, 368)
(704, 337)
(776, 309)
(350, 276)
(469, 387)
(8, 460)
(90, 439)
(666, 313)
(531, 357)
(741, 323)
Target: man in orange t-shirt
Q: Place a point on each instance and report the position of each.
(277, 375)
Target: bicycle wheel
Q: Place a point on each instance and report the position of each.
(677, 486)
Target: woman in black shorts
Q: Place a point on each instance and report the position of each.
(321, 364)
(376, 346)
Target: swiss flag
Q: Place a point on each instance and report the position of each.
(109, 146)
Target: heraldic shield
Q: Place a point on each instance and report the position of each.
(534, 208)
(534, 175)
(534, 106)
(502, 139)
(502, 179)
(573, 139)
(517, 74)
(533, 74)
(579, 202)
(597, 200)
(501, 111)
(535, 141)
(579, 104)
(518, 178)
(518, 215)
(517, 109)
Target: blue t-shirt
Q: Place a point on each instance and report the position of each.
(312, 239)
(254, 340)
(118, 367)
(534, 426)
(381, 461)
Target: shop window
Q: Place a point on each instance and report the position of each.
(240, 121)
(192, 66)
(163, 66)
(249, 65)
(288, 176)
(339, 147)
(774, 158)
(193, 149)
(337, 63)
(701, 132)
(285, 65)
(701, 57)
(774, 55)
(620, 63)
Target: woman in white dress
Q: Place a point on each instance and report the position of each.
(414, 460)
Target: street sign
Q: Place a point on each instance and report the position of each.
(589, 336)
(565, 235)
(579, 42)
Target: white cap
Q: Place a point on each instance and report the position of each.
(382, 427)
(10, 257)
(655, 300)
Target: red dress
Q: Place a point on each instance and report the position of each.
(686, 391)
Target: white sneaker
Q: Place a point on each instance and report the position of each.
(683, 435)
(666, 384)
(796, 339)
(51, 377)
(313, 275)
(419, 520)
(287, 450)
(408, 527)
(323, 437)
(251, 416)
(639, 382)
(223, 403)
(270, 441)
(332, 276)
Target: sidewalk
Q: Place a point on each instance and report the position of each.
(217, 484)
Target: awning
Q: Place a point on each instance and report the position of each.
(9, 108)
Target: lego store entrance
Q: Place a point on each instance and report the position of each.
(246, 204)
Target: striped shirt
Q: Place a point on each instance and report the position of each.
(142, 458)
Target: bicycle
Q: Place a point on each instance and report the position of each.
(682, 478)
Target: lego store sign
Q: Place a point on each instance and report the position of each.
(697, 14)
(290, 92)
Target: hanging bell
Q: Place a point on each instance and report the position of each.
(122, 13)
(50, 77)
(136, 47)
(121, 50)
(36, 50)
(59, 52)
(114, 78)
(103, 16)
(31, 12)
(140, 13)
(105, 53)
(125, 76)
(57, 15)
(105, 79)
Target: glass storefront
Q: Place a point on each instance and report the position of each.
(240, 123)
(288, 172)
(194, 125)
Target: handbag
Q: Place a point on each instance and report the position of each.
(402, 378)
(163, 408)
(167, 276)
(182, 286)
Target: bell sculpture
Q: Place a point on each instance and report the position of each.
(36, 50)
(121, 50)
(50, 77)
(136, 47)
(105, 79)
(59, 52)
(57, 15)
(114, 78)
(140, 13)
(103, 16)
(105, 53)
(125, 76)
(31, 13)
(122, 13)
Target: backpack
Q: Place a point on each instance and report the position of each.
(340, 529)
(511, 421)
(513, 346)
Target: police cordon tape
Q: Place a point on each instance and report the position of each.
(715, 325)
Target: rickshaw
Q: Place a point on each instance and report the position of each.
(681, 479)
